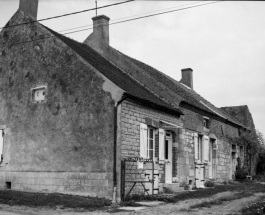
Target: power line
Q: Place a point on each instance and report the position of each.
(134, 15)
(171, 11)
(67, 14)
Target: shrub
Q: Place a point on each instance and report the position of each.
(241, 171)
(209, 184)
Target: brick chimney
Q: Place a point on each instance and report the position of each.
(99, 39)
(30, 7)
(187, 77)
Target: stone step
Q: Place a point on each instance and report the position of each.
(174, 187)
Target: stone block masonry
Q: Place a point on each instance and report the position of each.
(132, 115)
(78, 183)
(186, 167)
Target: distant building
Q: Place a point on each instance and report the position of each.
(72, 112)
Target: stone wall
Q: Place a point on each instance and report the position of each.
(70, 133)
(132, 115)
(221, 157)
(83, 183)
(186, 157)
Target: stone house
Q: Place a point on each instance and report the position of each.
(72, 112)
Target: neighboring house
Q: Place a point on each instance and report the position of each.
(71, 112)
(242, 114)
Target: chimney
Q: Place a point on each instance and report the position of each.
(99, 39)
(30, 7)
(187, 77)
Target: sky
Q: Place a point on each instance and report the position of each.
(222, 42)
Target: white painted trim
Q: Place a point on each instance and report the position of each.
(177, 126)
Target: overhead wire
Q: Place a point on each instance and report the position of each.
(133, 15)
(67, 14)
(123, 21)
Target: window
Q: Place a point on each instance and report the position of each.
(198, 147)
(206, 122)
(38, 94)
(150, 143)
(147, 141)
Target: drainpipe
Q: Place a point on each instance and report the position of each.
(115, 148)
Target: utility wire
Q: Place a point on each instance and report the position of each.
(71, 32)
(67, 14)
(133, 15)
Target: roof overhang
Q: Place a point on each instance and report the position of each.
(127, 96)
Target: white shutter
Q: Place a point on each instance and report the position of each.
(161, 144)
(206, 148)
(196, 146)
(143, 140)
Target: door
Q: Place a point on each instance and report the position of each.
(199, 166)
(210, 161)
(168, 158)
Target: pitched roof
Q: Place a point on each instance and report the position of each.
(182, 93)
(134, 89)
(144, 82)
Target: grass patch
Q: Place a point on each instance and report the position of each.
(257, 207)
(220, 201)
(247, 188)
(52, 200)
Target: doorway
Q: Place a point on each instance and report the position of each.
(210, 161)
(199, 166)
(168, 158)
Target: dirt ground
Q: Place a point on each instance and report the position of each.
(182, 207)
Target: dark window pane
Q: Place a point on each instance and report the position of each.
(166, 149)
(151, 133)
(150, 144)
(151, 154)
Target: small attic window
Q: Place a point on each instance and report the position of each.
(38, 94)
(206, 122)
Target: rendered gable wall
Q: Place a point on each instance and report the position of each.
(64, 144)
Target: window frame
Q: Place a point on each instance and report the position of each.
(206, 122)
(34, 89)
(148, 142)
(200, 151)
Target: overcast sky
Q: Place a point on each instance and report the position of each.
(224, 43)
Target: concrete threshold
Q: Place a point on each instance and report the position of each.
(132, 208)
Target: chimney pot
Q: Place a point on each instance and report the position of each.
(187, 77)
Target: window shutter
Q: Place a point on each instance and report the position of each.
(196, 146)
(161, 144)
(143, 140)
(206, 148)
